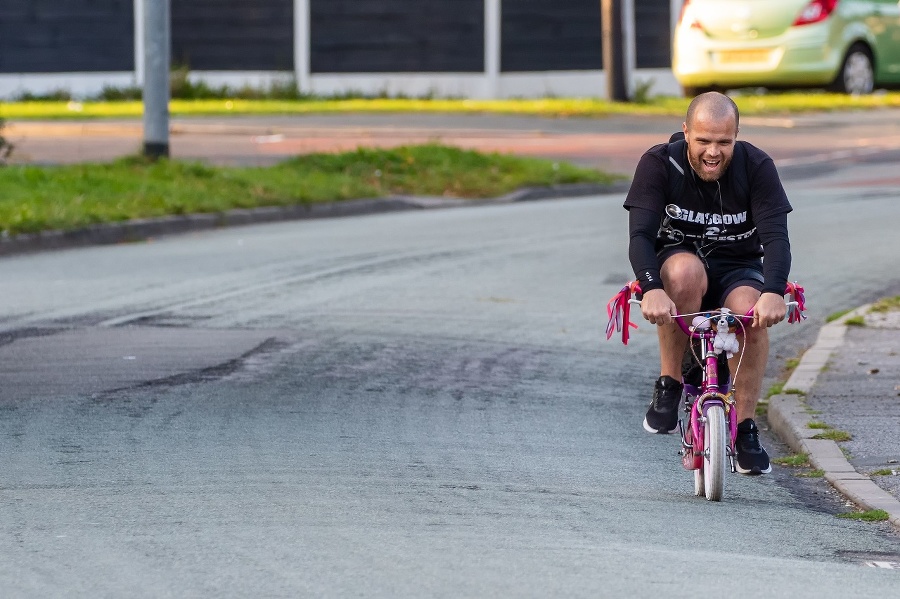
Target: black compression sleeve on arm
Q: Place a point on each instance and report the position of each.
(773, 233)
(643, 225)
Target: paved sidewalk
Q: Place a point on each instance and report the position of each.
(850, 381)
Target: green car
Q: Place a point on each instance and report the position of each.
(849, 46)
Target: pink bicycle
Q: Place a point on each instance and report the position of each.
(707, 441)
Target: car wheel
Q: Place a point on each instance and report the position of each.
(857, 74)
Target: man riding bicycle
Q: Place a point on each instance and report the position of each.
(702, 213)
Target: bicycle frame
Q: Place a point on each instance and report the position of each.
(711, 392)
(708, 439)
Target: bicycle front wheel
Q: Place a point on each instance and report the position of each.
(714, 453)
(699, 486)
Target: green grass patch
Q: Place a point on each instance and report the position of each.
(818, 425)
(814, 473)
(836, 315)
(834, 435)
(855, 321)
(882, 472)
(198, 102)
(775, 389)
(791, 363)
(866, 516)
(797, 460)
(887, 304)
(73, 196)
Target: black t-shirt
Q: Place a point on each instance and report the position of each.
(713, 214)
(716, 217)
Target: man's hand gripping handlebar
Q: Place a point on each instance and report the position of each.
(618, 310)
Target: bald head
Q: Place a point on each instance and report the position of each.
(713, 106)
(710, 132)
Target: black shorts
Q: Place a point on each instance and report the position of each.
(723, 275)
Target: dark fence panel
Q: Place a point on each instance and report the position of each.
(64, 36)
(233, 35)
(366, 36)
(551, 35)
(563, 35)
(372, 36)
(653, 34)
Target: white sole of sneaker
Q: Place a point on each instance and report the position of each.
(650, 429)
(752, 472)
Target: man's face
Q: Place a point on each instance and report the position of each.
(710, 144)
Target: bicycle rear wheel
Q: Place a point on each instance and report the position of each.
(714, 453)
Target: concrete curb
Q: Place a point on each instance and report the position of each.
(143, 229)
(789, 417)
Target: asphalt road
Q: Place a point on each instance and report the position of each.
(408, 404)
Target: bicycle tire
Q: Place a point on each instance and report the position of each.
(699, 486)
(714, 453)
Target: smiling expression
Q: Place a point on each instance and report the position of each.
(710, 143)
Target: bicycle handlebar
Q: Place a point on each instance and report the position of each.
(619, 309)
(689, 329)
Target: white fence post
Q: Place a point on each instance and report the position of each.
(139, 42)
(302, 44)
(492, 26)
(630, 33)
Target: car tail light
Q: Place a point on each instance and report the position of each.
(815, 11)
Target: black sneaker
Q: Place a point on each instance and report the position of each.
(662, 416)
(751, 456)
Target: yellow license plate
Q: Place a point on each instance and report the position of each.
(743, 56)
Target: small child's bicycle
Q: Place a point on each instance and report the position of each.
(708, 439)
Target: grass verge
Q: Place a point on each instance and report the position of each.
(67, 197)
(767, 104)
(797, 460)
(814, 473)
(834, 435)
(838, 314)
(866, 516)
(887, 304)
(855, 321)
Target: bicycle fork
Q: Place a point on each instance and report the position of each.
(692, 449)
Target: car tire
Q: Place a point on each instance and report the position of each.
(857, 73)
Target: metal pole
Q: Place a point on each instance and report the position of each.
(492, 42)
(629, 37)
(156, 78)
(139, 43)
(613, 50)
(302, 46)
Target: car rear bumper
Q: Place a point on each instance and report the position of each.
(802, 56)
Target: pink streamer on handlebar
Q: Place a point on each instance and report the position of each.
(796, 314)
(618, 310)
